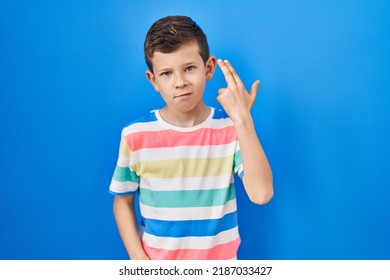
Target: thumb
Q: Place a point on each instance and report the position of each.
(221, 90)
(253, 92)
(254, 89)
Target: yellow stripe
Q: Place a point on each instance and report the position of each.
(198, 167)
(124, 148)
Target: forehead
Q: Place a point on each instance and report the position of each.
(188, 52)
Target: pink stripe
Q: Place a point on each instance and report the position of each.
(171, 138)
(224, 251)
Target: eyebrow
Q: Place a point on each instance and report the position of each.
(163, 70)
(170, 69)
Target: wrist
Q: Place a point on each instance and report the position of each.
(242, 119)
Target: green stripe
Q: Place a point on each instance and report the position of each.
(237, 159)
(123, 174)
(190, 198)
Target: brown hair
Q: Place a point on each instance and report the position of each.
(168, 34)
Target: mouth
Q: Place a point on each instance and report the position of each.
(183, 95)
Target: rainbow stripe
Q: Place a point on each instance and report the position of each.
(185, 181)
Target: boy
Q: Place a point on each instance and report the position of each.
(182, 158)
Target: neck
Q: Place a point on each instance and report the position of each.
(185, 119)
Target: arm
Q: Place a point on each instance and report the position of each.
(127, 226)
(237, 103)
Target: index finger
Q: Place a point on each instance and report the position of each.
(233, 71)
(227, 73)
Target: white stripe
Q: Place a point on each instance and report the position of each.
(155, 126)
(238, 169)
(203, 242)
(188, 213)
(187, 183)
(220, 123)
(238, 146)
(215, 151)
(123, 161)
(123, 187)
(142, 126)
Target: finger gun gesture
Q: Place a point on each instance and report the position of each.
(235, 99)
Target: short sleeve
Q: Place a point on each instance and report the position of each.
(124, 181)
(237, 162)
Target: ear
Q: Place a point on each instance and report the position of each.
(152, 79)
(211, 64)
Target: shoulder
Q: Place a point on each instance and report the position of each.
(220, 114)
(149, 117)
(142, 123)
(221, 119)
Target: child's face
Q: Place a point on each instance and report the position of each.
(181, 77)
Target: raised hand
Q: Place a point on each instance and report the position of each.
(235, 99)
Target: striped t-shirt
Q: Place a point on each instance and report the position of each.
(185, 181)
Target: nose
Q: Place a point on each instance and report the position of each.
(180, 81)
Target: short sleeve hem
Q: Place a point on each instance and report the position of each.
(122, 194)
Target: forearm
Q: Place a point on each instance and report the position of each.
(257, 177)
(237, 102)
(128, 229)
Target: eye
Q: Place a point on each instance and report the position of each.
(190, 68)
(167, 73)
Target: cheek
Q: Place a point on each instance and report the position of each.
(162, 85)
(200, 79)
(164, 82)
(166, 100)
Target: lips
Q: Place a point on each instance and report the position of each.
(182, 95)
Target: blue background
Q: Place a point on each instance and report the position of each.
(72, 75)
